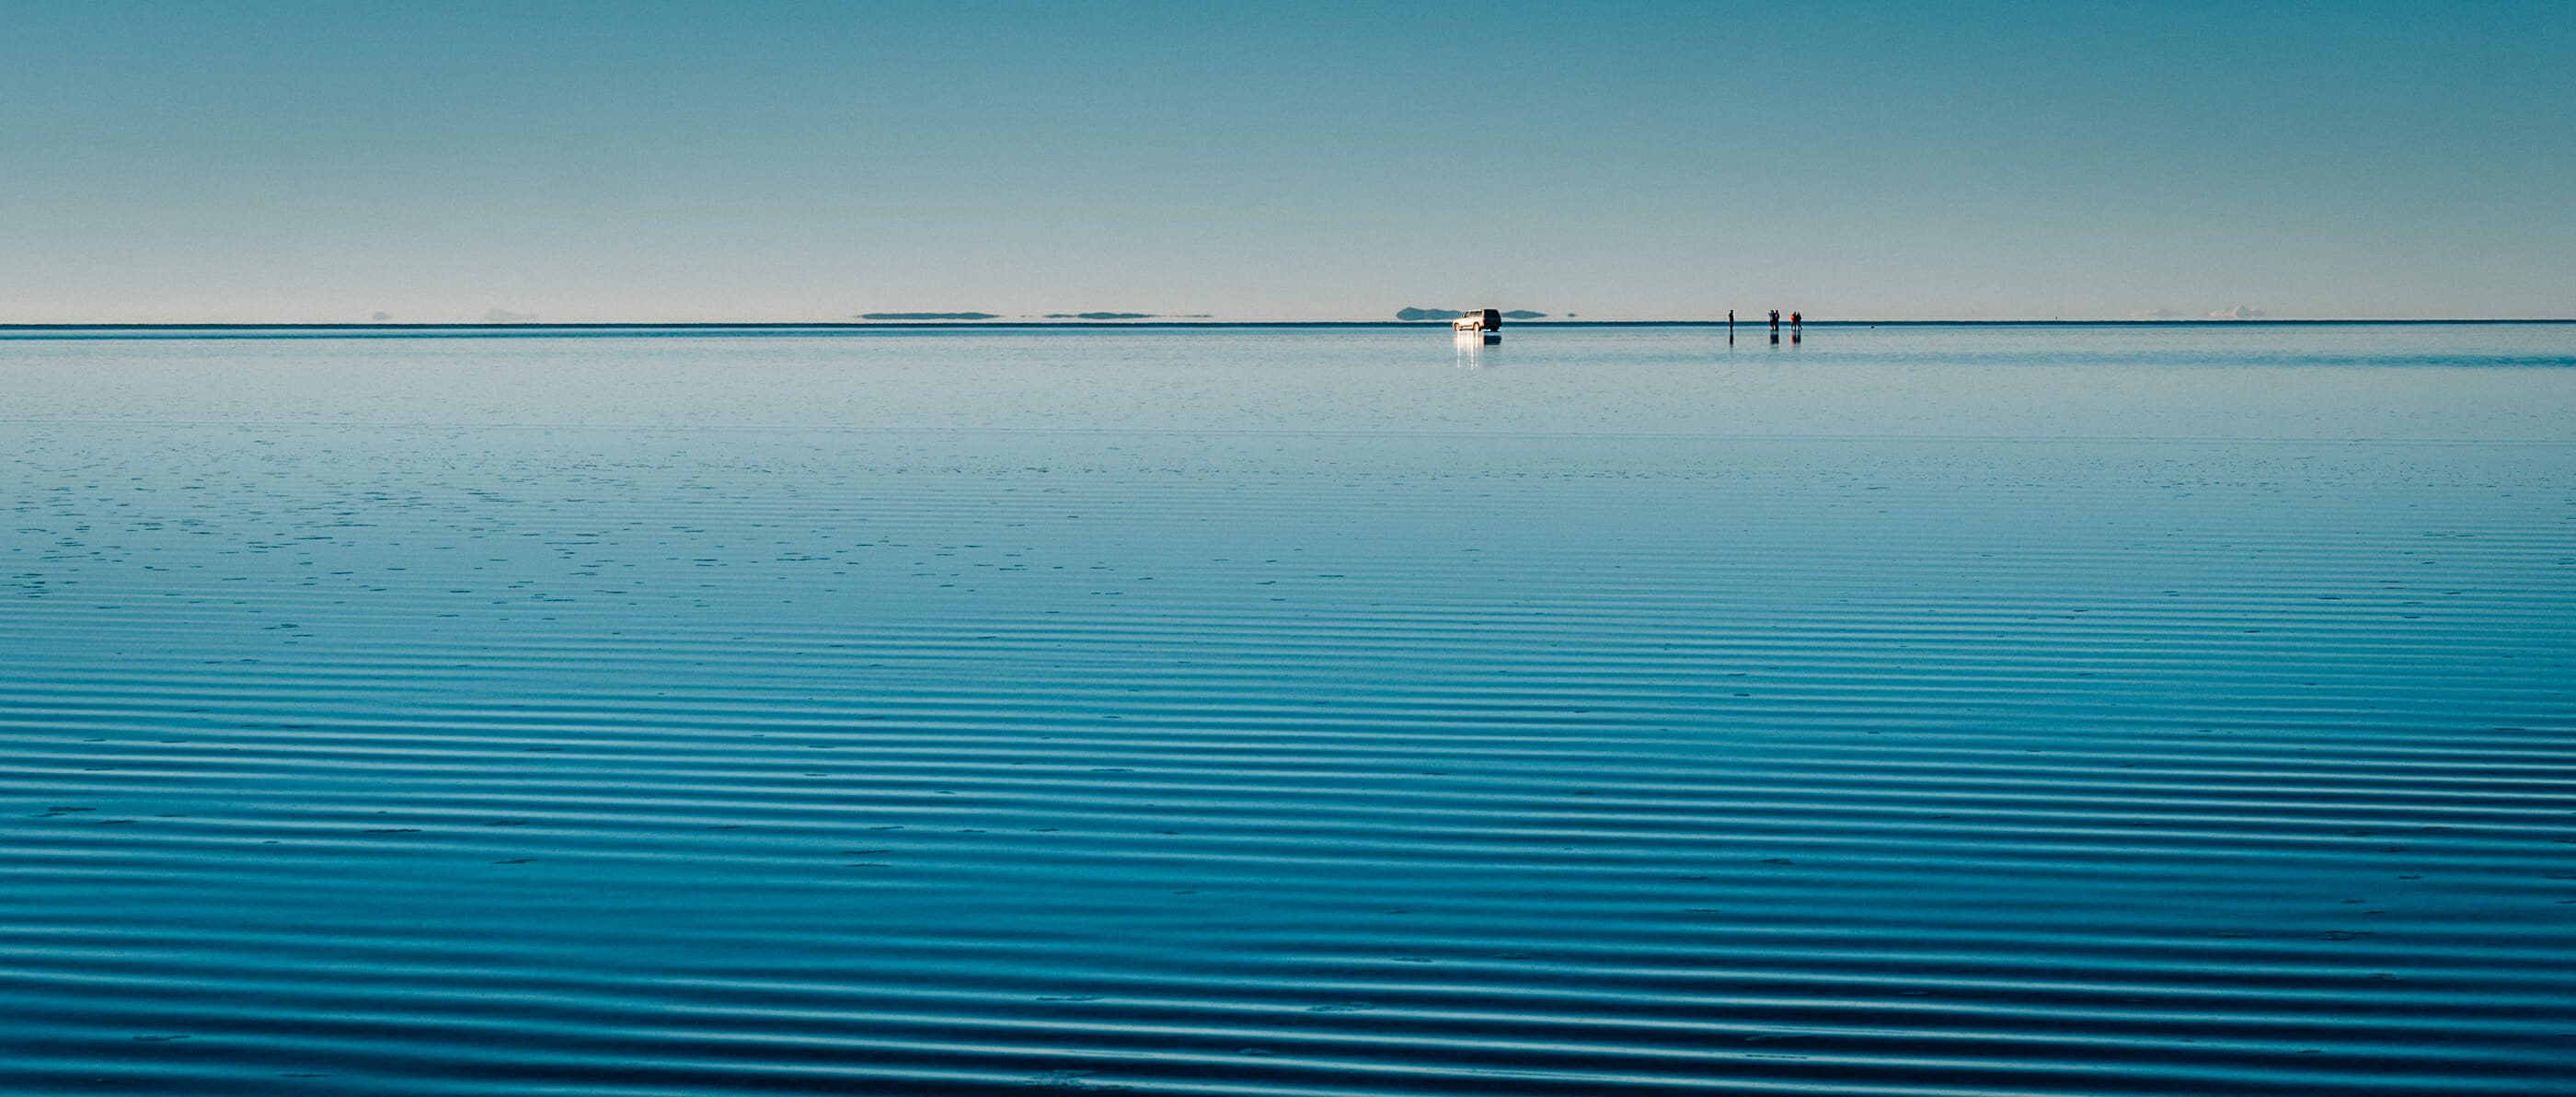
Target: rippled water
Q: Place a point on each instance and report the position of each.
(1909, 711)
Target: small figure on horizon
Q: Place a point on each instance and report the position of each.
(1730, 325)
(1794, 322)
(1775, 321)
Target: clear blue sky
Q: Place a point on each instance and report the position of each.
(642, 161)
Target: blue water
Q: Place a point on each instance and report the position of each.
(1978, 710)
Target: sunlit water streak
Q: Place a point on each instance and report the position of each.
(2020, 711)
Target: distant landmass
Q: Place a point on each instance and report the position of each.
(1411, 313)
(2240, 312)
(1100, 316)
(929, 316)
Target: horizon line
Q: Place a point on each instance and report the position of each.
(825, 326)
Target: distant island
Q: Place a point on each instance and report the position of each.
(1410, 313)
(1100, 316)
(930, 316)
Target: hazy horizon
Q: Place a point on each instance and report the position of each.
(648, 163)
(1001, 322)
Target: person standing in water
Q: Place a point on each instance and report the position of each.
(1730, 325)
(1775, 321)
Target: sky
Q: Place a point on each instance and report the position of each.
(640, 161)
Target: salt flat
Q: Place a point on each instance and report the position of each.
(2039, 710)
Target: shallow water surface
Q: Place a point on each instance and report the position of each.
(1908, 711)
